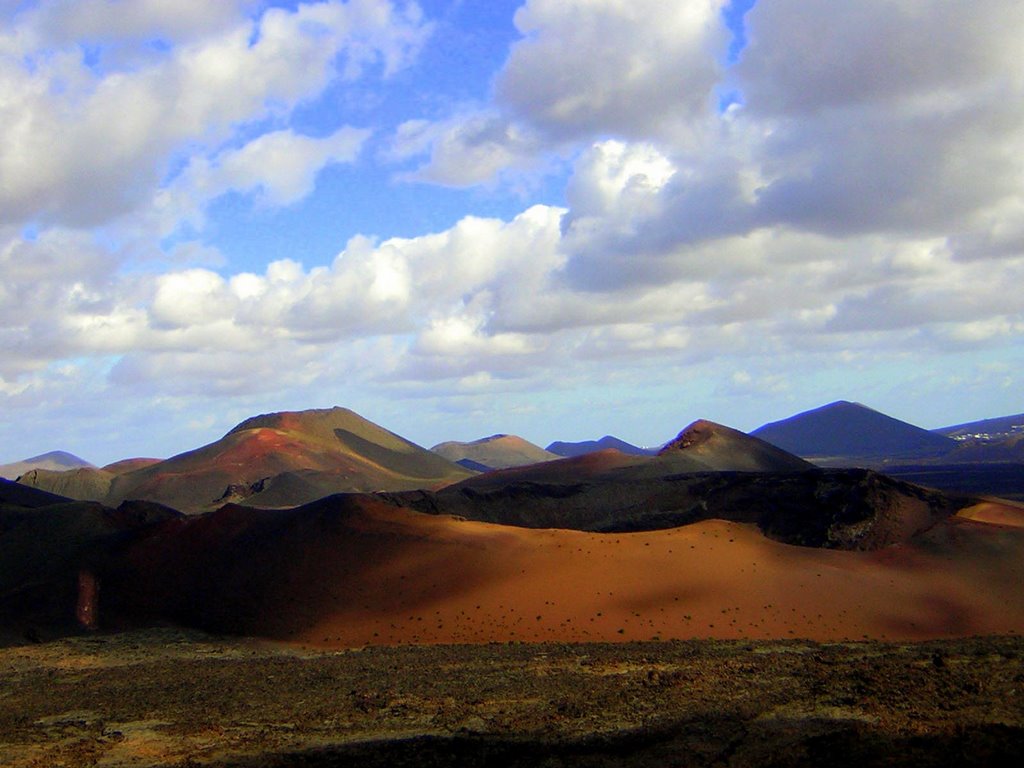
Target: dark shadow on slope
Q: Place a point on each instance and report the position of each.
(417, 463)
(706, 741)
(836, 509)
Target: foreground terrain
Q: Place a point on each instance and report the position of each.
(162, 697)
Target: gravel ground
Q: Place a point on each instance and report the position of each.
(165, 697)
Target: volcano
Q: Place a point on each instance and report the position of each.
(495, 452)
(57, 461)
(845, 430)
(723, 448)
(288, 458)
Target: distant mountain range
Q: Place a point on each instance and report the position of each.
(715, 519)
(590, 446)
(285, 459)
(273, 460)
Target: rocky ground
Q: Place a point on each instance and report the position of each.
(170, 698)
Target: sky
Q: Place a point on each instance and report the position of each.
(554, 218)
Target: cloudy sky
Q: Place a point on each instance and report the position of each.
(558, 218)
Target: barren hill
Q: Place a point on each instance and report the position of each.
(844, 430)
(303, 454)
(683, 555)
(352, 570)
(50, 549)
(495, 452)
(724, 448)
(84, 483)
(57, 461)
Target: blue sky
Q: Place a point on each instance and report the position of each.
(555, 218)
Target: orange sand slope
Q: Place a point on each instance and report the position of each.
(348, 571)
(998, 512)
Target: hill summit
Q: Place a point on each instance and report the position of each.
(287, 458)
(725, 448)
(58, 461)
(845, 429)
(495, 452)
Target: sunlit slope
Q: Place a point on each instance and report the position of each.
(84, 484)
(350, 570)
(304, 454)
(495, 452)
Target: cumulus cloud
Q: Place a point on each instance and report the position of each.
(806, 56)
(862, 200)
(278, 168)
(467, 150)
(80, 145)
(68, 21)
(587, 67)
(885, 116)
(583, 70)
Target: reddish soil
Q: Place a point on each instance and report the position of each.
(353, 571)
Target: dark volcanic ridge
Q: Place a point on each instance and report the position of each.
(619, 548)
(852, 509)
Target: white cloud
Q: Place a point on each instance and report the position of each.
(886, 116)
(279, 168)
(862, 203)
(79, 146)
(808, 56)
(283, 165)
(584, 70)
(196, 297)
(476, 148)
(602, 67)
(68, 21)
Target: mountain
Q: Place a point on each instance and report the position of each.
(848, 509)
(725, 449)
(843, 430)
(592, 446)
(700, 448)
(288, 458)
(83, 483)
(999, 428)
(669, 555)
(495, 452)
(54, 460)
